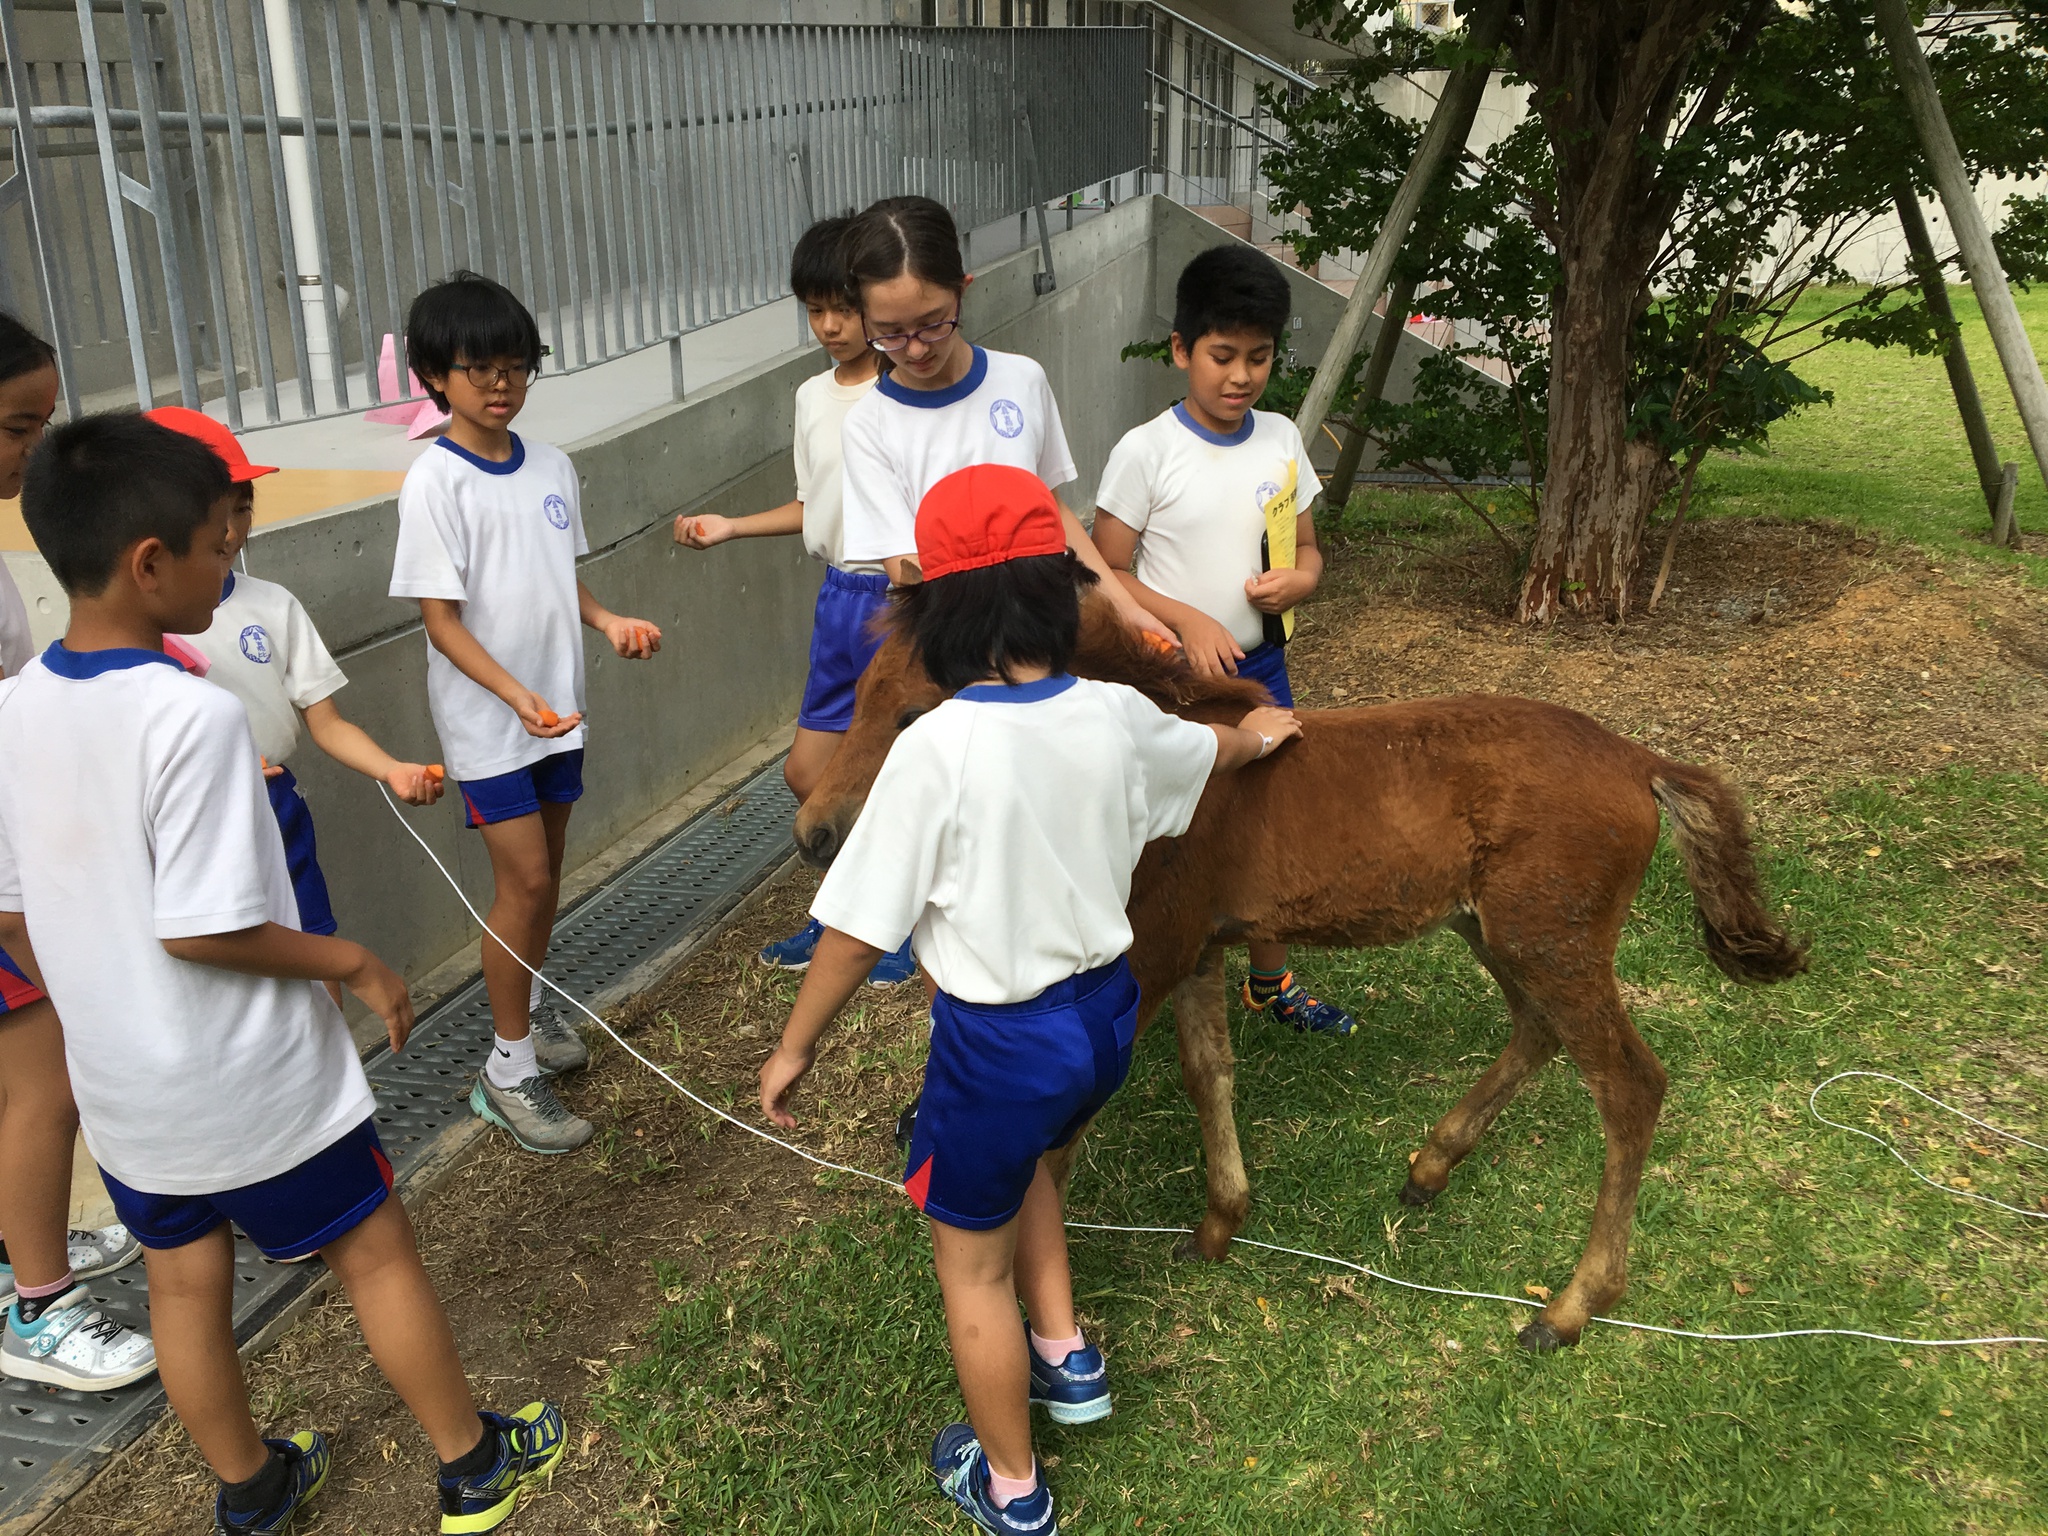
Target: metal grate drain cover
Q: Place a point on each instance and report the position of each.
(53, 1440)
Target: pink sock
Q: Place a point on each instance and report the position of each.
(1053, 1351)
(55, 1288)
(1001, 1489)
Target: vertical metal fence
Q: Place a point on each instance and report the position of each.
(235, 200)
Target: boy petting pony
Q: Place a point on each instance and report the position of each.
(1001, 834)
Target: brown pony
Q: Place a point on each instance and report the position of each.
(1523, 826)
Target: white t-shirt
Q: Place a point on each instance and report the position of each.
(265, 651)
(1197, 501)
(821, 406)
(132, 810)
(17, 642)
(900, 442)
(1003, 829)
(501, 540)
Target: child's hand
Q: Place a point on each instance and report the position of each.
(416, 783)
(780, 1074)
(703, 530)
(634, 639)
(539, 720)
(384, 994)
(1274, 724)
(1142, 619)
(1211, 650)
(1278, 591)
(270, 770)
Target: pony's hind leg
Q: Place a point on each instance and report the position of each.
(1530, 1045)
(1208, 1072)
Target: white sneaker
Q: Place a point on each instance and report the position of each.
(92, 1251)
(556, 1045)
(74, 1344)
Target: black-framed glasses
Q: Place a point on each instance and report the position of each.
(488, 375)
(930, 335)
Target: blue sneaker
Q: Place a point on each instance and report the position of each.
(1292, 1005)
(530, 1442)
(893, 970)
(793, 953)
(1076, 1391)
(962, 1471)
(307, 1457)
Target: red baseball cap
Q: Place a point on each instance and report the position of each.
(215, 435)
(984, 515)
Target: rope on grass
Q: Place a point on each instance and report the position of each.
(1306, 1253)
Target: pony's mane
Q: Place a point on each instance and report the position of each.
(1112, 652)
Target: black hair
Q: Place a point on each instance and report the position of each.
(904, 234)
(467, 318)
(22, 350)
(817, 267)
(100, 485)
(971, 624)
(1231, 288)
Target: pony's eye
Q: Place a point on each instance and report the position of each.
(903, 720)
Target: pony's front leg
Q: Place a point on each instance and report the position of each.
(1208, 1072)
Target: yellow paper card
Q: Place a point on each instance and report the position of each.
(1280, 515)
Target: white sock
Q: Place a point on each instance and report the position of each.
(512, 1061)
(533, 996)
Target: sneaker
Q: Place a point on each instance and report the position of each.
(538, 1120)
(74, 1344)
(530, 1443)
(793, 953)
(1292, 1005)
(962, 1471)
(556, 1045)
(893, 970)
(308, 1458)
(1076, 1391)
(93, 1251)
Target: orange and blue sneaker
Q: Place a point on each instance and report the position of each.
(961, 1467)
(306, 1460)
(1289, 1002)
(529, 1443)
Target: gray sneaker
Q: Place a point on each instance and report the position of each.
(92, 1251)
(556, 1045)
(538, 1120)
(74, 1344)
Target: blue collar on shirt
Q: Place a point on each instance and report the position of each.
(80, 665)
(1220, 439)
(227, 588)
(932, 399)
(490, 466)
(1018, 693)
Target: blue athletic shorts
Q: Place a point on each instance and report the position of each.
(301, 856)
(297, 1212)
(843, 642)
(1268, 664)
(1007, 1083)
(556, 778)
(16, 990)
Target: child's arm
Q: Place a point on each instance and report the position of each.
(708, 528)
(1259, 734)
(352, 747)
(635, 639)
(271, 949)
(1211, 648)
(1278, 591)
(1133, 610)
(446, 633)
(838, 966)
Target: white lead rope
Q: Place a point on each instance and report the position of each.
(1305, 1253)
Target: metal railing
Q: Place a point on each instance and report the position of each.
(235, 200)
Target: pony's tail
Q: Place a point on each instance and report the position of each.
(1712, 834)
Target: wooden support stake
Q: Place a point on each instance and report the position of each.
(1962, 382)
(2004, 530)
(1379, 363)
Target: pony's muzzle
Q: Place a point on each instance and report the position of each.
(817, 843)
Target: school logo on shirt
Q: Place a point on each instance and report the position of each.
(1267, 490)
(557, 511)
(1006, 418)
(256, 644)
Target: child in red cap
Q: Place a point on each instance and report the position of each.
(262, 647)
(1000, 835)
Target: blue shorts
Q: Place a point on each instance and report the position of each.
(556, 778)
(296, 1213)
(16, 990)
(1268, 664)
(301, 857)
(1007, 1083)
(844, 640)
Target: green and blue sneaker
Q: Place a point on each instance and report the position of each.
(1292, 1005)
(529, 1444)
(306, 1459)
(1076, 1391)
(793, 953)
(961, 1467)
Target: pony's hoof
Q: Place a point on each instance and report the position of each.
(1413, 1193)
(1539, 1338)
